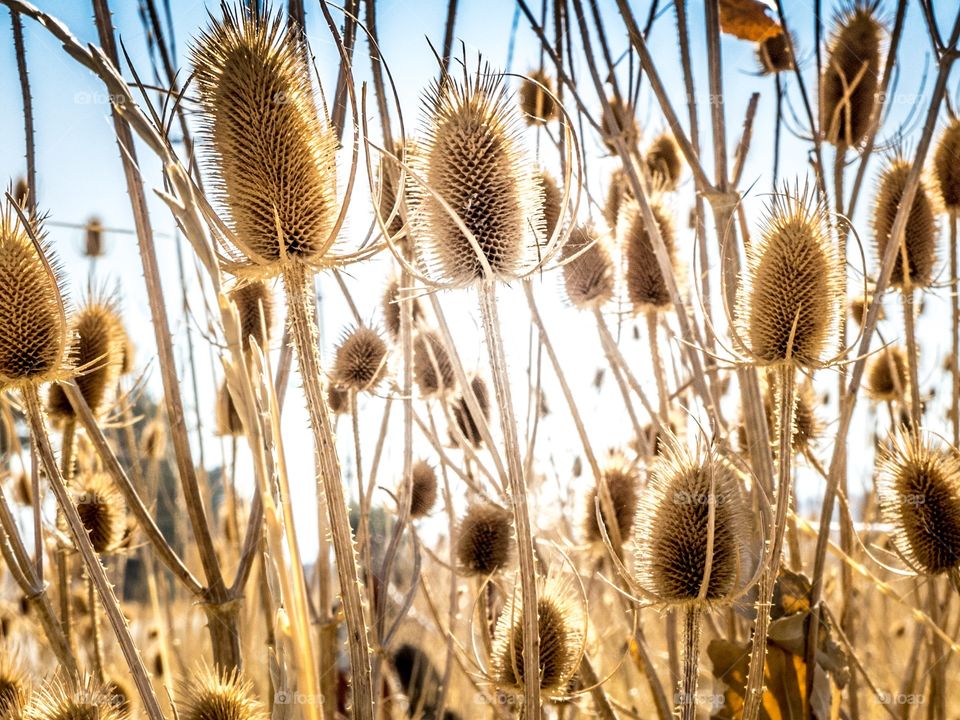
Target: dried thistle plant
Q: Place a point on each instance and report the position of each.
(219, 695)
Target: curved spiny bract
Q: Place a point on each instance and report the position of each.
(664, 162)
(946, 165)
(33, 325)
(623, 484)
(673, 528)
(919, 491)
(851, 74)
(588, 273)
(213, 695)
(646, 286)
(484, 539)
(432, 367)
(64, 699)
(471, 156)
(788, 306)
(272, 157)
(920, 235)
(254, 301)
(360, 361)
(537, 104)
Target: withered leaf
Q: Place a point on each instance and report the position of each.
(748, 20)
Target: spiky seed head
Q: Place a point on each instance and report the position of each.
(806, 424)
(472, 156)
(15, 687)
(673, 527)
(919, 491)
(664, 162)
(209, 694)
(848, 88)
(537, 104)
(624, 126)
(789, 301)
(96, 350)
(93, 238)
(773, 54)
(623, 482)
(254, 301)
(432, 368)
(33, 326)
(618, 194)
(360, 361)
(646, 287)
(338, 400)
(920, 236)
(392, 303)
(887, 376)
(228, 419)
(552, 198)
(154, 440)
(588, 272)
(120, 693)
(859, 306)
(946, 165)
(128, 357)
(272, 157)
(102, 510)
(423, 489)
(561, 630)
(484, 539)
(466, 422)
(62, 699)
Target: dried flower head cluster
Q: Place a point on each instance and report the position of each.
(432, 367)
(66, 699)
(484, 539)
(622, 481)
(773, 54)
(664, 162)
(423, 489)
(887, 377)
(361, 360)
(102, 510)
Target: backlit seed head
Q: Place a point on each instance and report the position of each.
(96, 350)
(673, 527)
(623, 483)
(129, 356)
(15, 687)
(887, 376)
(272, 157)
(93, 238)
(946, 165)
(664, 162)
(618, 194)
(228, 419)
(360, 361)
(919, 490)
(646, 287)
(254, 302)
(466, 422)
(213, 695)
(63, 699)
(920, 236)
(773, 54)
(552, 197)
(561, 629)
(472, 156)
(806, 424)
(102, 510)
(154, 440)
(588, 272)
(789, 301)
(537, 104)
(624, 126)
(851, 74)
(859, 306)
(33, 325)
(432, 368)
(423, 489)
(21, 192)
(392, 302)
(484, 540)
(338, 400)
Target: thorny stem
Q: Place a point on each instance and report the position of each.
(658, 372)
(300, 307)
(518, 497)
(28, 131)
(687, 700)
(955, 324)
(913, 359)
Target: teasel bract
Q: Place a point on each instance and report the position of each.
(691, 529)
(210, 694)
(272, 160)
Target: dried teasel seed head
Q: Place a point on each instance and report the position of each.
(210, 694)
(102, 510)
(466, 422)
(96, 350)
(154, 440)
(472, 157)
(128, 357)
(674, 522)
(618, 194)
(432, 368)
(920, 236)
(588, 273)
(646, 287)
(537, 104)
(392, 299)
(623, 483)
(120, 692)
(423, 489)
(15, 687)
(33, 325)
(789, 302)
(484, 539)
(561, 629)
(62, 699)
(93, 238)
(919, 490)
(848, 88)
(859, 306)
(552, 208)
(773, 54)
(664, 162)
(273, 158)
(946, 165)
(887, 375)
(338, 400)
(228, 419)
(806, 424)
(624, 126)
(360, 361)
(254, 301)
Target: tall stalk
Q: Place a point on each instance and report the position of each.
(955, 325)
(691, 661)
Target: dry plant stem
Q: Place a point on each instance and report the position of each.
(913, 359)
(300, 307)
(95, 639)
(518, 495)
(618, 362)
(601, 703)
(687, 700)
(955, 324)
(20, 51)
(658, 372)
(753, 695)
(81, 539)
(936, 710)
